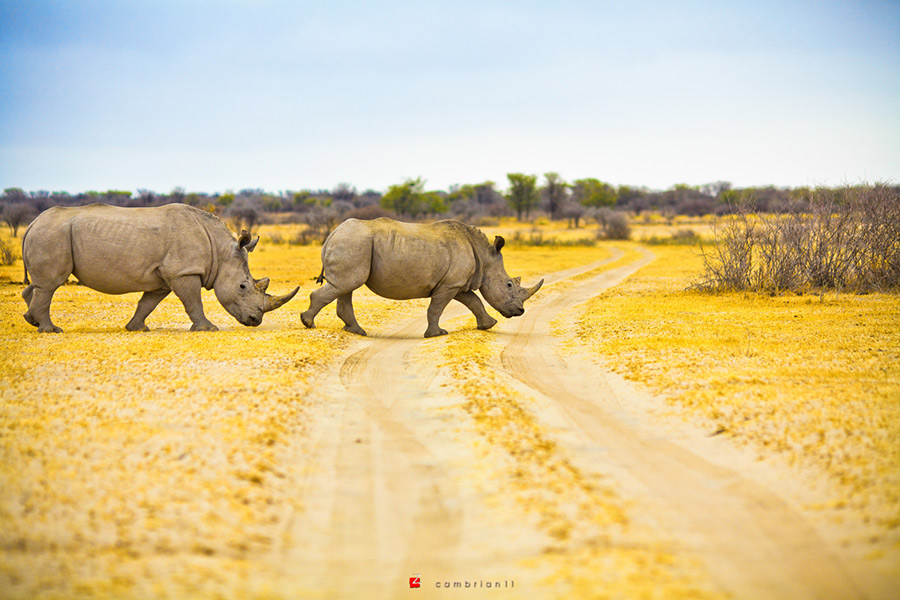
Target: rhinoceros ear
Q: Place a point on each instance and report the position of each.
(244, 241)
(499, 242)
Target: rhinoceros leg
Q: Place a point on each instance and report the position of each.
(187, 288)
(39, 308)
(27, 293)
(440, 298)
(318, 300)
(148, 301)
(345, 312)
(49, 270)
(471, 301)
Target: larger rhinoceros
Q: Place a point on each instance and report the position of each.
(445, 261)
(114, 250)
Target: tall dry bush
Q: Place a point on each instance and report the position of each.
(847, 239)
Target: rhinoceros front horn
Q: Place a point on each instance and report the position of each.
(273, 302)
(531, 291)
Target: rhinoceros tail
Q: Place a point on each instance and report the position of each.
(321, 278)
(25, 264)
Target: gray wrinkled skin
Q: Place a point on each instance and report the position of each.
(445, 261)
(171, 248)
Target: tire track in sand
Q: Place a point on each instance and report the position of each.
(377, 500)
(753, 543)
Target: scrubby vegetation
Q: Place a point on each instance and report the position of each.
(680, 237)
(845, 239)
(477, 204)
(814, 379)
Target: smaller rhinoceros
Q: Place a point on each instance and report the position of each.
(445, 261)
(114, 250)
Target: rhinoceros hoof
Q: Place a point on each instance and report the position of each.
(488, 325)
(204, 327)
(435, 333)
(131, 327)
(357, 330)
(49, 329)
(31, 320)
(308, 321)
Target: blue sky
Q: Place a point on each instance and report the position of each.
(217, 95)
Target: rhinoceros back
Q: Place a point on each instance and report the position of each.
(397, 260)
(119, 250)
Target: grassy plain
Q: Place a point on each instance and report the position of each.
(595, 549)
(151, 464)
(814, 379)
(163, 463)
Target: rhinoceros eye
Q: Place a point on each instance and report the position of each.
(243, 287)
(509, 284)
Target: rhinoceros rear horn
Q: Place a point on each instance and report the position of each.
(273, 302)
(262, 284)
(534, 289)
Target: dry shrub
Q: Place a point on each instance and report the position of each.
(7, 253)
(613, 224)
(536, 238)
(845, 239)
(682, 237)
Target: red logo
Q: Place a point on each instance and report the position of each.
(415, 582)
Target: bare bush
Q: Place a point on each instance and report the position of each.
(832, 239)
(613, 224)
(16, 215)
(320, 220)
(244, 213)
(468, 211)
(572, 212)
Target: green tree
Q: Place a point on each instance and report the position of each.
(406, 198)
(12, 195)
(461, 193)
(303, 200)
(593, 192)
(434, 202)
(523, 193)
(226, 199)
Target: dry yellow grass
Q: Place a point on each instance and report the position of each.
(815, 379)
(163, 463)
(159, 463)
(653, 225)
(593, 549)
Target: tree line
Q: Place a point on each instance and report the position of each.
(526, 195)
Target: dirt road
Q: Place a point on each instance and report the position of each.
(403, 480)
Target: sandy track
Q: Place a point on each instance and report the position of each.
(753, 543)
(386, 495)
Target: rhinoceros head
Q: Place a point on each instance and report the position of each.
(501, 291)
(244, 297)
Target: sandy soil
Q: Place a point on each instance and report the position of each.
(400, 482)
(501, 458)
